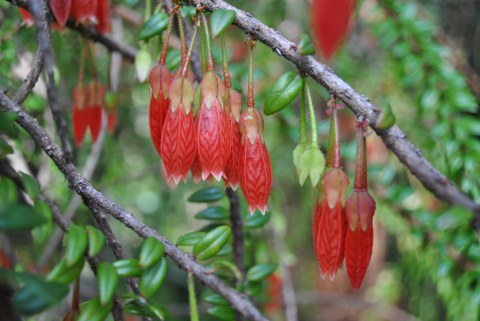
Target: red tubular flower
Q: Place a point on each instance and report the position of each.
(213, 128)
(61, 10)
(80, 113)
(159, 79)
(95, 108)
(83, 10)
(233, 102)
(329, 223)
(359, 209)
(103, 16)
(255, 168)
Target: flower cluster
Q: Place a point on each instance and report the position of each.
(202, 130)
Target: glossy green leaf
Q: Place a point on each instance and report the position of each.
(37, 294)
(190, 239)
(283, 92)
(76, 244)
(221, 19)
(216, 299)
(207, 195)
(253, 288)
(386, 119)
(128, 267)
(15, 217)
(152, 278)
(8, 191)
(107, 279)
(212, 243)
(140, 307)
(66, 274)
(260, 272)
(222, 313)
(96, 240)
(305, 46)
(216, 213)
(256, 220)
(157, 23)
(226, 268)
(93, 310)
(454, 217)
(150, 252)
(31, 185)
(174, 58)
(7, 123)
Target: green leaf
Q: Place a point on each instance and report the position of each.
(283, 92)
(260, 272)
(216, 213)
(221, 19)
(152, 278)
(305, 46)
(216, 299)
(151, 251)
(253, 288)
(42, 233)
(386, 119)
(173, 59)
(212, 242)
(107, 279)
(157, 23)
(138, 306)
(227, 269)
(222, 313)
(5, 148)
(8, 191)
(207, 195)
(37, 294)
(7, 123)
(14, 217)
(94, 311)
(188, 11)
(257, 220)
(77, 242)
(66, 274)
(454, 217)
(96, 240)
(190, 239)
(128, 267)
(31, 185)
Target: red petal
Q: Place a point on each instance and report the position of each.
(158, 111)
(232, 174)
(80, 124)
(103, 16)
(61, 10)
(95, 121)
(178, 143)
(358, 251)
(330, 21)
(83, 10)
(213, 139)
(329, 237)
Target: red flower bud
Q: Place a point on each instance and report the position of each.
(159, 102)
(61, 10)
(96, 97)
(329, 222)
(103, 16)
(359, 209)
(80, 113)
(213, 129)
(255, 167)
(232, 171)
(177, 146)
(27, 17)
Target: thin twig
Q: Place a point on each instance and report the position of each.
(31, 79)
(93, 197)
(394, 138)
(40, 12)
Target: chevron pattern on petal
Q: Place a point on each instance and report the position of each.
(178, 144)
(158, 111)
(232, 174)
(255, 174)
(213, 140)
(330, 238)
(61, 10)
(358, 252)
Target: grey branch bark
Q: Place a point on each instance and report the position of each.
(394, 138)
(31, 79)
(93, 198)
(40, 13)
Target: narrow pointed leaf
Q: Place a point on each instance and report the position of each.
(216, 213)
(260, 272)
(190, 239)
(212, 243)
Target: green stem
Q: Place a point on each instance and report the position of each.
(82, 63)
(92, 62)
(183, 41)
(313, 121)
(203, 49)
(333, 153)
(148, 9)
(163, 56)
(189, 54)
(192, 298)
(210, 65)
(226, 73)
(303, 117)
(250, 95)
(361, 162)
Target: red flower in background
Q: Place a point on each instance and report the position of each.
(61, 10)
(359, 209)
(96, 94)
(103, 16)
(84, 10)
(330, 20)
(80, 112)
